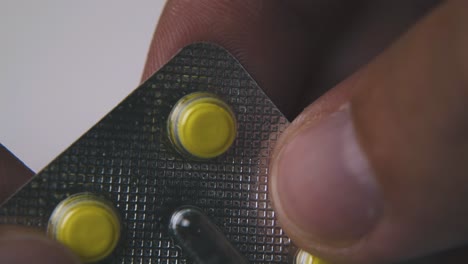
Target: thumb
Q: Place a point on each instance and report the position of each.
(383, 177)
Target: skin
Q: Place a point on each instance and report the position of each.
(398, 69)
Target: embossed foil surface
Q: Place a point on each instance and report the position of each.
(127, 157)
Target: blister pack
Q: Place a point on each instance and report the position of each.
(176, 173)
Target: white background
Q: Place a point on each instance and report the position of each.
(64, 65)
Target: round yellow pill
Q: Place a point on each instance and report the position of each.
(86, 224)
(202, 125)
(303, 257)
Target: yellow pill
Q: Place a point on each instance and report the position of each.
(202, 125)
(86, 224)
(303, 257)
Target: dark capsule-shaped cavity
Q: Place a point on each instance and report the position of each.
(201, 239)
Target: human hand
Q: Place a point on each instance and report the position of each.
(402, 120)
(372, 171)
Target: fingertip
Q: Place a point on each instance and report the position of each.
(322, 177)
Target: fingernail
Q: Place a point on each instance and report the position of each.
(24, 248)
(324, 185)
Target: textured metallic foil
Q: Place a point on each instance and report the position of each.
(127, 157)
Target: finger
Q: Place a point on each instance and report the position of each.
(270, 38)
(24, 246)
(13, 173)
(288, 47)
(380, 176)
(373, 28)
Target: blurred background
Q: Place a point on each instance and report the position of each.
(64, 65)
